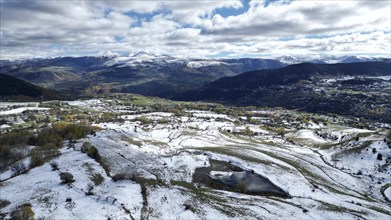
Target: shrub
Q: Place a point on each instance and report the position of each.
(23, 212)
(388, 136)
(281, 131)
(54, 165)
(107, 116)
(123, 176)
(18, 168)
(177, 112)
(380, 156)
(4, 203)
(84, 148)
(143, 119)
(248, 132)
(242, 187)
(66, 177)
(41, 154)
(97, 179)
(91, 151)
(48, 135)
(72, 131)
(89, 188)
(15, 138)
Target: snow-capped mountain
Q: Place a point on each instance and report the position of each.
(142, 59)
(107, 54)
(326, 59)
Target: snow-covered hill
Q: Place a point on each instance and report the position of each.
(158, 165)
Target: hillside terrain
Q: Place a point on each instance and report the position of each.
(355, 89)
(15, 89)
(141, 73)
(132, 157)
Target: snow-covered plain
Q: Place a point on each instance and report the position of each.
(323, 182)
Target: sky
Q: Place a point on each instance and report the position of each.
(195, 28)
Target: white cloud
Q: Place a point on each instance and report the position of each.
(188, 28)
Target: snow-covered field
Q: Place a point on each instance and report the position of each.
(339, 179)
(21, 110)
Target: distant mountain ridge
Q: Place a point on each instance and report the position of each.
(360, 89)
(328, 59)
(143, 73)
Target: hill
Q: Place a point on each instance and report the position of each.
(15, 89)
(358, 89)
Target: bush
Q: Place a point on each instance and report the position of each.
(380, 156)
(41, 154)
(143, 119)
(281, 131)
(72, 131)
(107, 116)
(48, 135)
(18, 168)
(91, 151)
(54, 165)
(388, 136)
(66, 177)
(89, 189)
(242, 187)
(15, 138)
(123, 176)
(97, 179)
(177, 112)
(23, 212)
(85, 147)
(4, 203)
(248, 132)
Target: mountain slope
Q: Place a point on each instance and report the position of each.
(359, 89)
(12, 88)
(143, 73)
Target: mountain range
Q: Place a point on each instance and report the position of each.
(352, 87)
(358, 89)
(142, 73)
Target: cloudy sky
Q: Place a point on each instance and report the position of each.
(195, 28)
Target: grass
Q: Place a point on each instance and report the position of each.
(381, 210)
(156, 143)
(383, 189)
(231, 151)
(352, 150)
(340, 209)
(97, 179)
(360, 135)
(132, 141)
(203, 194)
